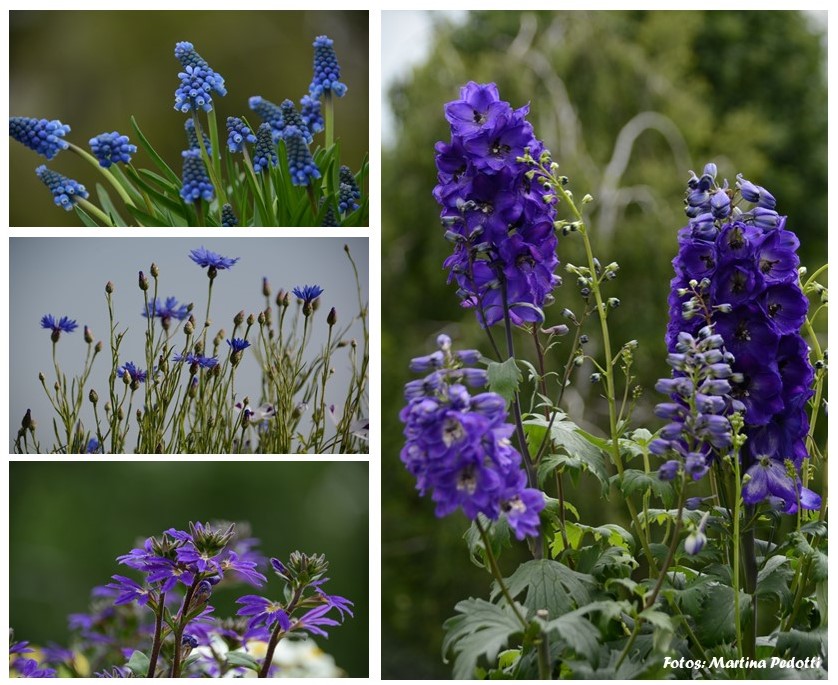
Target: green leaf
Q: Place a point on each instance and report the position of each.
(798, 644)
(498, 533)
(774, 579)
(138, 663)
(634, 481)
(714, 622)
(549, 585)
(108, 206)
(505, 378)
(578, 633)
(242, 659)
(664, 629)
(480, 629)
(145, 219)
(86, 219)
(580, 453)
(156, 158)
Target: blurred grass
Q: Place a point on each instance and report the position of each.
(94, 69)
(71, 521)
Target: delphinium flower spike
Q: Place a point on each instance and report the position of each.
(300, 162)
(737, 268)
(264, 155)
(500, 224)
(65, 191)
(41, 135)
(196, 181)
(111, 148)
(457, 444)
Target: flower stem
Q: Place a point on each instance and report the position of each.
(158, 630)
(105, 172)
(495, 570)
(329, 117)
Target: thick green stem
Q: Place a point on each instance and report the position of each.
(329, 117)
(90, 208)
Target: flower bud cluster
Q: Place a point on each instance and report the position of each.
(500, 223)
(457, 444)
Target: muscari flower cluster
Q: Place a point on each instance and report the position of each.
(350, 193)
(499, 221)
(65, 191)
(238, 133)
(228, 216)
(301, 164)
(192, 137)
(41, 135)
(457, 444)
(311, 115)
(198, 81)
(196, 182)
(737, 268)
(698, 428)
(110, 148)
(326, 78)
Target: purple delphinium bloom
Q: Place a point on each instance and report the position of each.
(263, 612)
(458, 449)
(206, 258)
(737, 269)
(64, 325)
(326, 70)
(65, 191)
(238, 344)
(199, 360)
(111, 148)
(135, 374)
(166, 310)
(499, 221)
(41, 135)
(308, 293)
(129, 591)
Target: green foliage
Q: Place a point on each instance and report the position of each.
(504, 378)
(550, 586)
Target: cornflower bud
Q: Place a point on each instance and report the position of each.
(155, 271)
(332, 317)
(88, 335)
(93, 396)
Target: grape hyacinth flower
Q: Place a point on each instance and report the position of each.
(41, 135)
(699, 429)
(264, 155)
(311, 114)
(65, 191)
(64, 325)
(347, 177)
(500, 223)
(457, 444)
(291, 119)
(192, 137)
(110, 148)
(326, 77)
(346, 199)
(737, 269)
(196, 181)
(269, 112)
(300, 162)
(197, 81)
(188, 57)
(238, 133)
(228, 217)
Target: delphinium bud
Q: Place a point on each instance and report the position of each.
(43, 136)
(65, 191)
(111, 148)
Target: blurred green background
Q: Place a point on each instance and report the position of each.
(93, 70)
(627, 102)
(71, 521)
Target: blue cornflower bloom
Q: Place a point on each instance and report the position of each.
(238, 344)
(41, 135)
(300, 162)
(228, 217)
(93, 446)
(192, 137)
(238, 133)
(135, 374)
(170, 309)
(346, 199)
(269, 112)
(265, 153)
(110, 148)
(199, 360)
(291, 119)
(207, 258)
(64, 325)
(311, 114)
(196, 181)
(64, 190)
(326, 69)
(129, 591)
(308, 293)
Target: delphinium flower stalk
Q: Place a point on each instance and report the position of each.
(326, 81)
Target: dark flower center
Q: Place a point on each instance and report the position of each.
(708, 260)
(499, 148)
(479, 117)
(738, 282)
(742, 333)
(774, 308)
(766, 265)
(736, 239)
(466, 481)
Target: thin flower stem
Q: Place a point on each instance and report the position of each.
(105, 172)
(737, 613)
(158, 631)
(329, 117)
(181, 626)
(495, 571)
(216, 181)
(276, 635)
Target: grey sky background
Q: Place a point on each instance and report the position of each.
(67, 277)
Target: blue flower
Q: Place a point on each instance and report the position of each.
(192, 137)
(195, 90)
(196, 181)
(269, 112)
(263, 612)
(191, 60)
(264, 155)
(29, 668)
(110, 148)
(311, 114)
(93, 446)
(64, 325)
(170, 309)
(238, 133)
(41, 135)
(308, 293)
(64, 190)
(291, 119)
(326, 69)
(238, 344)
(228, 217)
(348, 178)
(199, 360)
(129, 591)
(207, 258)
(300, 162)
(346, 199)
(135, 374)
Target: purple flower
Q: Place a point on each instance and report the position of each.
(41, 135)
(206, 258)
(263, 612)
(110, 148)
(314, 620)
(64, 325)
(238, 344)
(308, 293)
(244, 569)
(135, 374)
(170, 309)
(29, 668)
(197, 359)
(129, 591)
